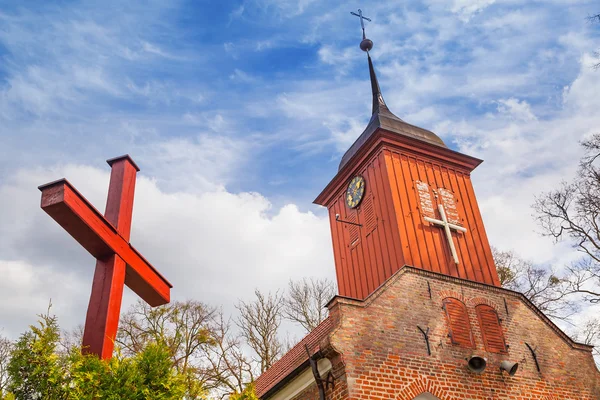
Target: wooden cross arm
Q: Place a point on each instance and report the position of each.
(85, 224)
(442, 223)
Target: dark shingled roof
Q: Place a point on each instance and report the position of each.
(293, 359)
(383, 118)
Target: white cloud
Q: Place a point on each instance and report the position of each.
(284, 9)
(341, 58)
(516, 109)
(525, 156)
(195, 164)
(464, 9)
(241, 76)
(84, 83)
(215, 246)
(582, 94)
(467, 8)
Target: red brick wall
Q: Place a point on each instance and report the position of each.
(378, 352)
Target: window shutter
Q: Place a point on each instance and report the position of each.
(458, 322)
(354, 230)
(368, 210)
(491, 331)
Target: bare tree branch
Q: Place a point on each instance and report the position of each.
(595, 19)
(71, 339)
(540, 285)
(5, 350)
(590, 334)
(259, 322)
(305, 301)
(572, 212)
(184, 327)
(229, 370)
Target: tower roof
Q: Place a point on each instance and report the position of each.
(383, 118)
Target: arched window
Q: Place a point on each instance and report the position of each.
(491, 331)
(458, 322)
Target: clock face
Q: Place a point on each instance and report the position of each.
(355, 191)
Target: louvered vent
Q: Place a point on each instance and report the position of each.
(458, 322)
(491, 331)
(353, 229)
(368, 210)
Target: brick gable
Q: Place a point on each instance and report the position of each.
(378, 352)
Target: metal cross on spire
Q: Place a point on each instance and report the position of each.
(366, 44)
(362, 22)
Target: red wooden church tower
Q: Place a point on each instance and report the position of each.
(420, 312)
(407, 175)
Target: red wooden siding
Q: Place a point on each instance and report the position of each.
(425, 245)
(458, 322)
(491, 331)
(365, 256)
(393, 231)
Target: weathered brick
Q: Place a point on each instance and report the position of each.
(378, 352)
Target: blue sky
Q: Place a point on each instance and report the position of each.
(238, 113)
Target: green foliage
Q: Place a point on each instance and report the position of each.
(38, 371)
(247, 394)
(35, 370)
(185, 329)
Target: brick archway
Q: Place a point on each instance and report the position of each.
(421, 389)
(426, 396)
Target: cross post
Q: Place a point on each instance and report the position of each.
(447, 228)
(106, 237)
(362, 22)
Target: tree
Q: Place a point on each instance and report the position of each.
(37, 370)
(71, 339)
(572, 212)
(229, 370)
(305, 301)
(247, 394)
(540, 285)
(5, 349)
(184, 327)
(590, 334)
(259, 322)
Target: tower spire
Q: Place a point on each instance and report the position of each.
(366, 45)
(382, 118)
(378, 102)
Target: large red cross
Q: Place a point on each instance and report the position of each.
(106, 237)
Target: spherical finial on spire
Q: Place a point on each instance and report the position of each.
(366, 44)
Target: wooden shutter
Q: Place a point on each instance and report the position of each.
(353, 230)
(368, 213)
(491, 331)
(458, 322)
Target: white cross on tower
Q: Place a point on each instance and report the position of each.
(447, 226)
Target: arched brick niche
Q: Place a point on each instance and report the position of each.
(459, 325)
(426, 396)
(491, 330)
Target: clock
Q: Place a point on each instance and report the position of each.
(355, 191)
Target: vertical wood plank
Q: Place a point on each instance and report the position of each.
(395, 218)
(467, 239)
(104, 308)
(460, 244)
(413, 174)
(485, 244)
(430, 233)
(448, 266)
(121, 189)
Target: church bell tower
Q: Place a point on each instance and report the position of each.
(402, 197)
